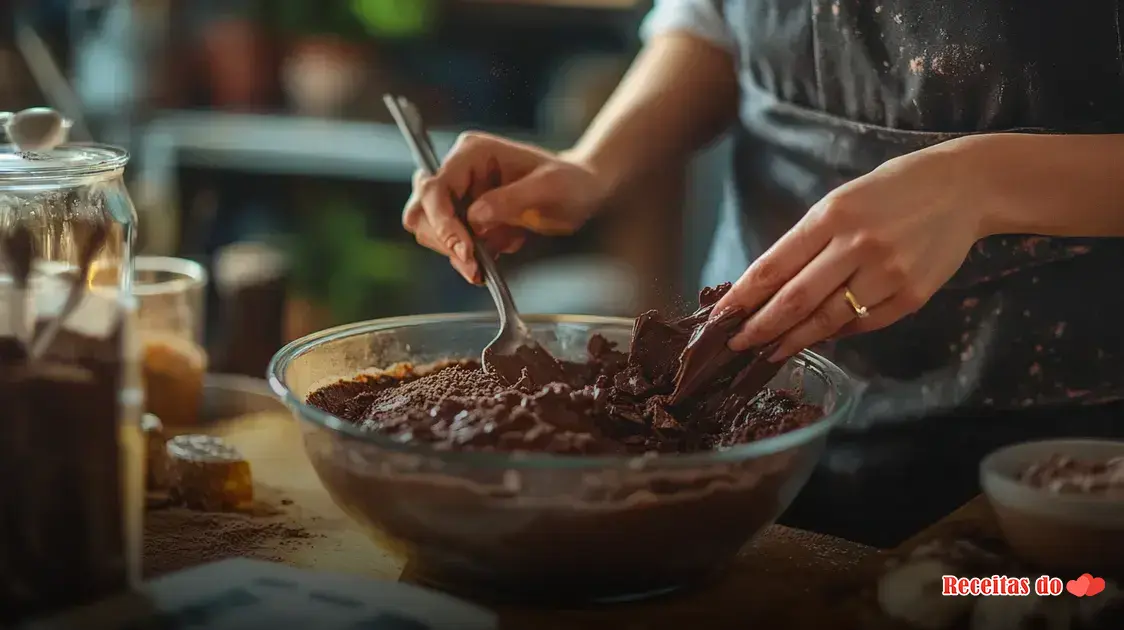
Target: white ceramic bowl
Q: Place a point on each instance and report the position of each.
(1056, 531)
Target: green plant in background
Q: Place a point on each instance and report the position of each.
(395, 18)
(336, 265)
(314, 17)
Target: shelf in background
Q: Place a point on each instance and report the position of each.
(284, 145)
(268, 144)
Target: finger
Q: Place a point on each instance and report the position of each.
(832, 315)
(503, 239)
(425, 237)
(490, 178)
(494, 178)
(413, 214)
(799, 297)
(778, 265)
(889, 312)
(449, 234)
(457, 179)
(480, 162)
(870, 288)
(423, 232)
(470, 271)
(522, 203)
(514, 245)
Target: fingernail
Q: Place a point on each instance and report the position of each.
(748, 337)
(779, 356)
(461, 251)
(480, 211)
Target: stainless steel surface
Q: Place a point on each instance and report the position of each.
(513, 333)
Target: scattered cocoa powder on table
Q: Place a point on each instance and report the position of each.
(179, 538)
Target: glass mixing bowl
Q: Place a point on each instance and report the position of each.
(540, 526)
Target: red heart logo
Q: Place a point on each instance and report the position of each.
(1096, 585)
(1078, 587)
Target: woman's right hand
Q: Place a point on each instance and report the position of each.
(538, 192)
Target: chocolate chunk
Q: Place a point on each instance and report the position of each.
(662, 420)
(707, 356)
(656, 347)
(530, 364)
(709, 296)
(205, 473)
(631, 381)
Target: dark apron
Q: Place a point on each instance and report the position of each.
(1023, 342)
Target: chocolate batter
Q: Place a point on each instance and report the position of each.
(678, 389)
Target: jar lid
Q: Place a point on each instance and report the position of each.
(72, 160)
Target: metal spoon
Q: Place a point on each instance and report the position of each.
(42, 342)
(18, 248)
(36, 129)
(513, 353)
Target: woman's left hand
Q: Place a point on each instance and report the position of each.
(892, 237)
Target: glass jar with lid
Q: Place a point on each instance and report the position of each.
(71, 448)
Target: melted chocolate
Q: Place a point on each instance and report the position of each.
(530, 366)
(679, 389)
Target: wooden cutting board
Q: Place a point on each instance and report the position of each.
(786, 579)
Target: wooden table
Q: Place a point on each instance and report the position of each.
(786, 579)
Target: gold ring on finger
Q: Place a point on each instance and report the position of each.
(860, 310)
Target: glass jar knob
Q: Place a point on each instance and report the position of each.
(38, 129)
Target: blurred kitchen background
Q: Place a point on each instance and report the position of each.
(261, 121)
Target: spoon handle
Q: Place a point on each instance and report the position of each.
(416, 137)
(421, 146)
(501, 293)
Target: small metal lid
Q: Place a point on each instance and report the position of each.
(66, 161)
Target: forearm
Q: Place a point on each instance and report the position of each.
(680, 94)
(1054, 185)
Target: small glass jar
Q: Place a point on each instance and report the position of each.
(71, 448)
(170, 296)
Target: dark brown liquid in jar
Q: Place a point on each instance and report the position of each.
(65, 507)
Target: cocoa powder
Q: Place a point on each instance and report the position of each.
(178, 538)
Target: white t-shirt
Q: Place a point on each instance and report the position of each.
(698, 17)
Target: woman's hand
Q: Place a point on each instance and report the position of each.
(538, 192)
(892, 237)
